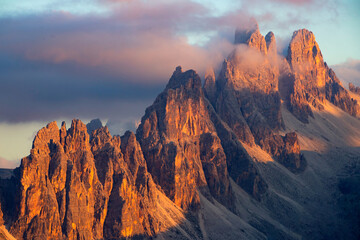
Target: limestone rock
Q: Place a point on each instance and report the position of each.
(240, 165)
(290, 156)
(83, 183)
(271, 43)
(171, 135)
(306, 60)
(249, 101)
(210, 86)
(252, 37)
(57, 200)
(93, 125)
(339, 96)
(129, 189)
(309, 70)
(73, 188)
(132, 207)
(214, 164)
(354, 89)
(313, 80)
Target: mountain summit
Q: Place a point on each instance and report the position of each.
(312, 81)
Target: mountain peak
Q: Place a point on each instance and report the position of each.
(303, 48)
(313, 81)
(44, 136)
(270, 42)
(304, 56)
(301, 33)
(244, 32)
(77, 137)
(178, 69)
(189, 79)
(93, 125)
(209, 85)
(251, 36)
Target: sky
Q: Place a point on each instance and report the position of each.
(108, 59)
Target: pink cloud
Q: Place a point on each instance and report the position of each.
(137, 41)
(147, 53)
(4, 163)
(297, 2)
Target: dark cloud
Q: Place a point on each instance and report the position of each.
(61, 65)
(38, 91)
(57, 64)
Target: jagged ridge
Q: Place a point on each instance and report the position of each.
(83, 183)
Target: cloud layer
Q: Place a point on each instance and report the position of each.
(110, 58)
(56, 63)
(348, 72)
(4, 163)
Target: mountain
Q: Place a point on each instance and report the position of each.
(266, 149)
(312, 80)
(354, 89)
(93, 125)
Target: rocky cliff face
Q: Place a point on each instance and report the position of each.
(271, 43)
(59, 186)
(210, 85)
(354, 89)
(339, 96)
(312, 81)
(248, 97)
(180, 144)
(93, 125)
(71, 188)
(252, 37)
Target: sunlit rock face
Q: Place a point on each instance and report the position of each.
(180, 144)
(59, 186)
(248, 97)
(71, 188)
(131, 206)
(306, 60)
(312, 80)
(251, 36)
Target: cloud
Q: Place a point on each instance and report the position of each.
(296, 2)
(136, 41)
(120, 126)
(4, 163)
(62, 65)
(59, 64)
(348, 72)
